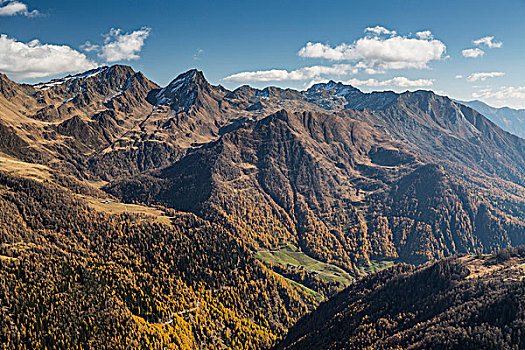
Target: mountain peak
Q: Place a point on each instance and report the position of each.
(184, 90)
(337, 87)
(112, 74)
(119, 69)
(4, 78)
(5, 81)
(332, 95)
(7, 86)
(191, 77)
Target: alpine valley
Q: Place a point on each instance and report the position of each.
(190, 216)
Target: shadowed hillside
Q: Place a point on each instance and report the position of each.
(471, 302)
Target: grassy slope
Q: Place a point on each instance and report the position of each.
(290, 256)
(375, 266)
(43, 173)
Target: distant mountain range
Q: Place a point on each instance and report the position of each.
(509, 119)
(151, 175)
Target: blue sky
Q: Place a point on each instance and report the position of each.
(409, 44)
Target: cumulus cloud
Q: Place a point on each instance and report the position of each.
(379, 30)
(377, 52)
(503, 93)
(425, 35)
(459, 76)
(472, 53)
(298, 74)
(14, 8)
(484, 76)
(488, 41)
(124, 47)
(318, 50)
(22, 60)
(120, 46)
(396, 82)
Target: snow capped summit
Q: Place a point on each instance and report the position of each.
(188, 89)
(191, 77)
(331, 95)
(182, 82)
(338, 87)
(113, 75)
(56, 82)
(336, 95)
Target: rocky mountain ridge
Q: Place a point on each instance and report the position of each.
(315, 167)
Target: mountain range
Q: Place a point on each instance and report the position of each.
(177, 192)
(509, 119)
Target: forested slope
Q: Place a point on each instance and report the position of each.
(74, 278)
(469, 302)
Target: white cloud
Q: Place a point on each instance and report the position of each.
(380, 53)
(379, 50)
(313, 72)
(472, 53)
(397, 82)
(120, 46)
(14, 8)
(378, 30)
(484, 76)
(318, 50)
(425, 35)
(368, 70)
(198, 54)
(34, 60)
(459, 76)
(503, 93)
(477, 52)
(488, 42)
(89, 47)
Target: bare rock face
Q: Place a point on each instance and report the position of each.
(8, 88)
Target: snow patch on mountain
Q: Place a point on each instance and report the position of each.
(57, 82)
